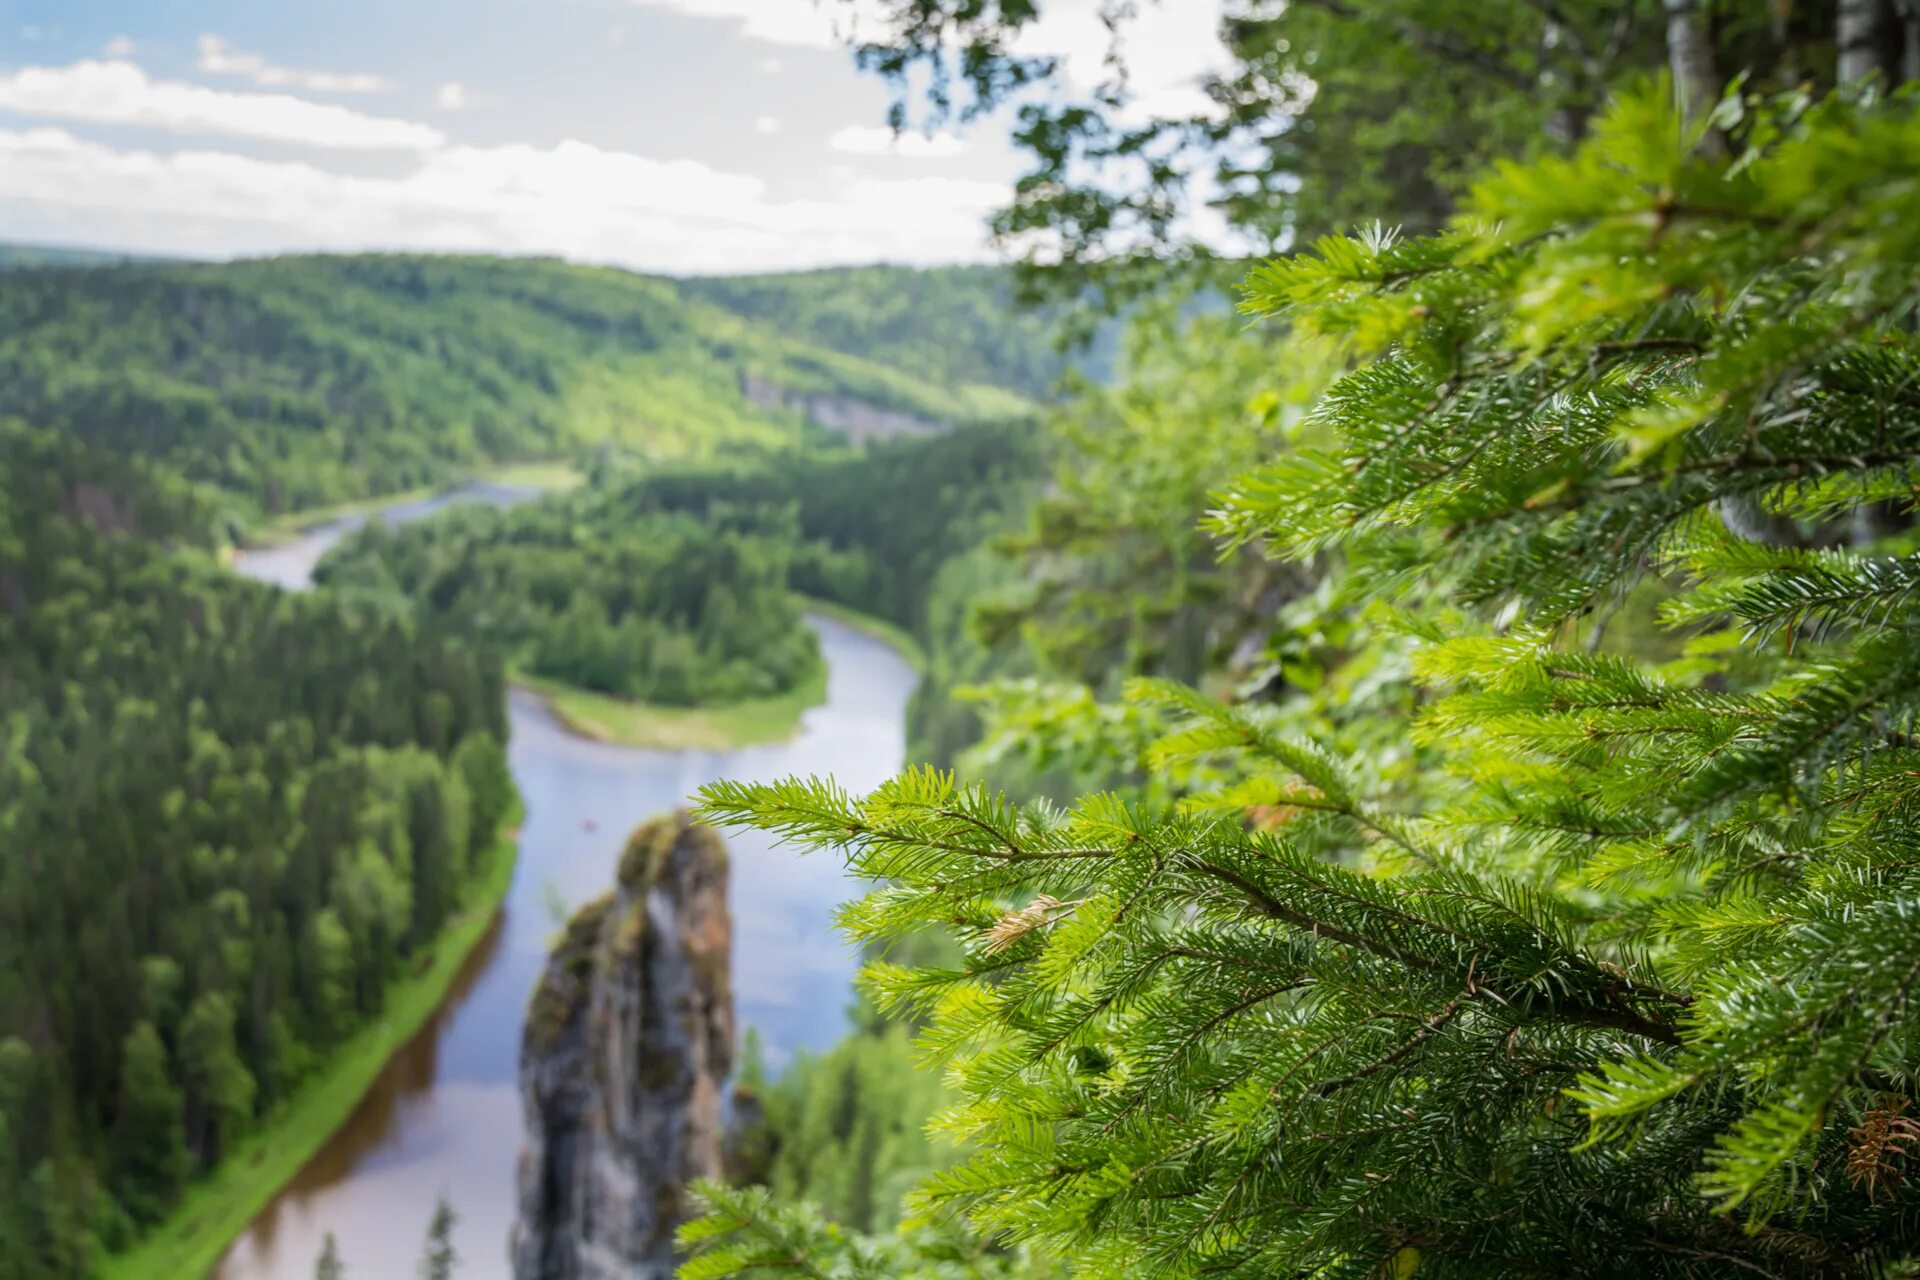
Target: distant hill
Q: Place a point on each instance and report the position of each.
(953, 325)
(53, 255)
(299, 381)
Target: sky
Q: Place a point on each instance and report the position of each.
(685, 136)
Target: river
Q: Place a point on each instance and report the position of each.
(444, 1118)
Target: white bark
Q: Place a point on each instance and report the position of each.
(1696, 80)
(1870, 39)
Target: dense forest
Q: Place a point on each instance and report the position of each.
(901, 531)
(583, 589)
(15, 256)
(887, 516)
(294, 382)
(230, 816)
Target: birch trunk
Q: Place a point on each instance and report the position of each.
(1696, 81)
(1870, 40)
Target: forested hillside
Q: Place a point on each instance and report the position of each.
(231, 816)
(299, 381)
(954, 326)
(14, 256)
(900, 531)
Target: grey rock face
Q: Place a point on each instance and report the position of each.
(629, 1042)
(857, 420)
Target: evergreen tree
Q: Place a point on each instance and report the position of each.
(67, 1196)
(1619, 977)
(220, 1087)
(153, 1150)
(328, 1265)
(439, 1260)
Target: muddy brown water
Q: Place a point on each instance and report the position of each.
(444, 1117)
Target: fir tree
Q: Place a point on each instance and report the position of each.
(1620, 979)
(328, 1265)
(221, 1089)
(748, 1232)
(439, 1259)
(153, 1150)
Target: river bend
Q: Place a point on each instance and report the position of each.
(444, 1118)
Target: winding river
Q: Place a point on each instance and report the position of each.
(444, 1118)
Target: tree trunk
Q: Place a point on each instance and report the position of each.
(1696, 80)
(1696, 87)
(1909, 14)
(1870, 38)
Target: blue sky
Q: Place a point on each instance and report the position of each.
(668, 135)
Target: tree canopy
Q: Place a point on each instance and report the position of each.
(582, 589)
(1320, 114)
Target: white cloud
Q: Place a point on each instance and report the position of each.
(766, 124)
(119, 47)
(807, 24)
(878, 140)
(770, 66)
(451, 96)
(1168, 46)
(120, 93)
(578, 176)
(892, 197)
(218, 58)
(574, 199)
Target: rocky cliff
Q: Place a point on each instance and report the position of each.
(858, 421)
(629, 1043)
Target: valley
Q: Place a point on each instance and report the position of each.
(1348, 710)
(531, 576)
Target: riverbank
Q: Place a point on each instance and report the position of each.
(629, 722)
(632, 723)
(218, 1208)
(550, 477)
(891, 634)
